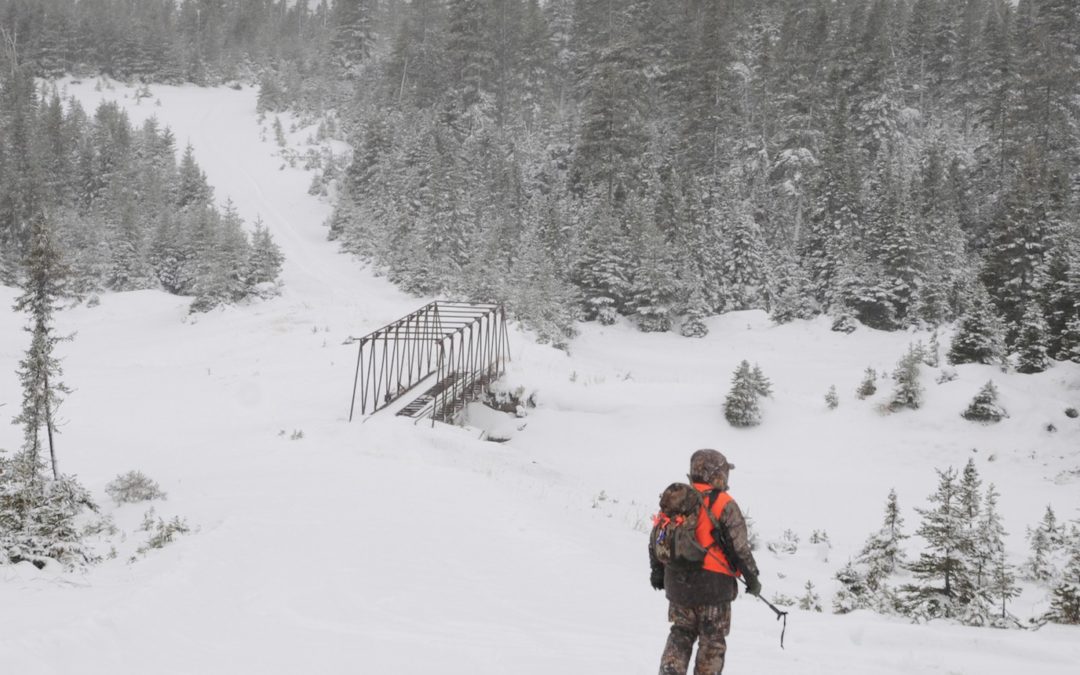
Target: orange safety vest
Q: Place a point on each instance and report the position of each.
(715, 560)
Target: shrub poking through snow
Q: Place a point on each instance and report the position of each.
(162, 532)
(831, 398)
(810, 601)
(132, 487)
(788, 543)
(868, 386)
(984, 407)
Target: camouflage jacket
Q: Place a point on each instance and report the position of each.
(692, 585)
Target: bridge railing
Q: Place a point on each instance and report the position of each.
(464, 344)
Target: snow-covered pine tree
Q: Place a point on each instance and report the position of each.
(1032, 342)
(741, 405)
(266, 259)
(1002, 586)
(44, 284)
(603, 268)
(743, 258)
(947, 583)
(868, 386)
(832, 399)
(654, 288)
(908, 391)
(853, 593)
(932, 354)
(1070, 340)
(984, 407)
(883, 552)
(979, 334)
(810, 600)
(989, 539)
(697, 309)
(1045, 539)
(762, 384)
(1065, 597)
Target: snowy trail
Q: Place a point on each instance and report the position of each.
(388, 547)
(220, 124)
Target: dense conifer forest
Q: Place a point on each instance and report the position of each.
(893, 162)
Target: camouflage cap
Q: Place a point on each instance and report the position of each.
(706, 465)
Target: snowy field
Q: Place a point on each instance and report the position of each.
(324, 547)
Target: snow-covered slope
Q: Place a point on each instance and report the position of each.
(321, 546)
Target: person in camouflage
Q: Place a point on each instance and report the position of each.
(700, 595)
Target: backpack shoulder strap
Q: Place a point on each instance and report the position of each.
(710, 502)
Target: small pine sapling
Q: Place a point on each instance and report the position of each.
(868, 386)
(762, 384)
(832, 399)
(907, 392)
(132, 487)
(810, 601)
(984, 407)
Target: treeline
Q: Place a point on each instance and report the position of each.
(880, 160)
(122, 211)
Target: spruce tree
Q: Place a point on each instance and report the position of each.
(832, 399)
(979, 333)
(984, 407)
(1065, 598)
(942, 564)
(868, 386)
(908, 390)
(741, 405)
(762, 384)
(1031, 342)
(1044, 540)
(883, 552)
(39, 370)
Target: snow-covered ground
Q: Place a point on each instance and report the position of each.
(320, 546)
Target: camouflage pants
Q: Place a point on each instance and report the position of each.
(708, 625)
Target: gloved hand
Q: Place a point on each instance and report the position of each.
(657, 578)
(753, 586)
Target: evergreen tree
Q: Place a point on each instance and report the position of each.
(762, 384)
(984, 407)
(1031, 342)
(1044, 540)
(266, 258)
(868, 386)
(979, 334)
(989, 540)
(39, 371)
(741, 405)
(908, 391)
(353, 32)
(883, 552)
(832, 400)
(1065, 598)
(942, 565)
(696, 310)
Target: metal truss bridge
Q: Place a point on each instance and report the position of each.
(456, 349)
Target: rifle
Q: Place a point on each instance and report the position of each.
(722, 539)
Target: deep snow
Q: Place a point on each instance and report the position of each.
(387, 547)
